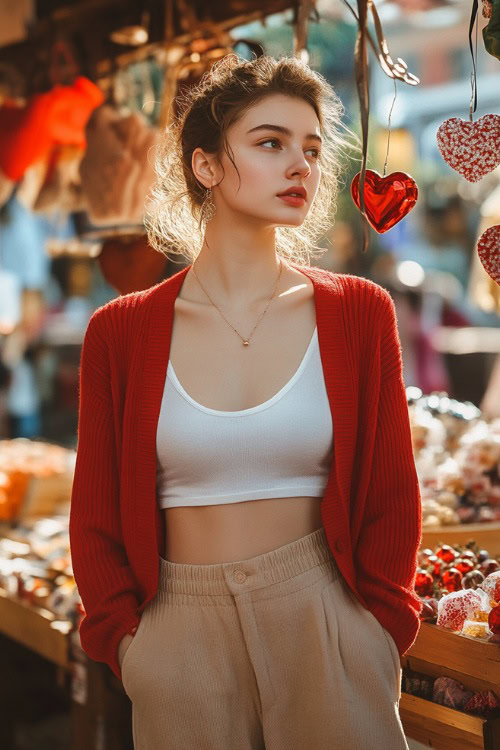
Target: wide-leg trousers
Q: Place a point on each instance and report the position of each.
(270, 653)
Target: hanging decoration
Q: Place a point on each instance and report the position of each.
(487, 8)
(380, 206)
(130, 264)
(471, 148)
(388, 198)
(117, 170)
(51, 183)
(186, 66)
(28, 133)
(491, 32)
(488, 249)
(300, 29)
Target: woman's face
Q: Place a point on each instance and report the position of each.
(275, 146)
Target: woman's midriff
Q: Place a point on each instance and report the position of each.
(211, 534)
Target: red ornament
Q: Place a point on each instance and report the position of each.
(472, 580)
(452, 580)
(429, 609)
(387, 199)
(494, 620)
(489, 566)
(423, 582)
(434, 566)
(464, 566)
(468, 554)
(446, 553)
(470, 148)
(486, 703)
(488, 249)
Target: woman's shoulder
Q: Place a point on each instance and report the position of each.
(353, 289)
(362, 285)
(125, 305)
(117, 321)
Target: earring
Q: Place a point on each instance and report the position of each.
(207, 207)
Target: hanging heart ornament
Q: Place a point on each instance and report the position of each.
(387, 199)
(488, 249)
(470, 148)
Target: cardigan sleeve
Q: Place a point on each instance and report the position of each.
(104, 578)
(390, 537)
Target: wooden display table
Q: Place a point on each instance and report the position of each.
(475, 663)
(36, 628)
(101, 715)
(486, 535)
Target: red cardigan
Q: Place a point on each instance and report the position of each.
(371, 508)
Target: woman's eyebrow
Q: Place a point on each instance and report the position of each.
(282, 129)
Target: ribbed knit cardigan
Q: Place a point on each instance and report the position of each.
(371, 507)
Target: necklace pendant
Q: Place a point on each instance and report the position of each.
(245, 343)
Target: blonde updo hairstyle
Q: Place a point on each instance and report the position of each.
(174, 217)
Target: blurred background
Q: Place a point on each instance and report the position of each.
(85, 88)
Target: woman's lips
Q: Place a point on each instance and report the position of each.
(292, 200)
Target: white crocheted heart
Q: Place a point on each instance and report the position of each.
(471, 148)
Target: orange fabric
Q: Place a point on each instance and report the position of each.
(59, 116)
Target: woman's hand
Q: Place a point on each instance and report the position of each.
(123, 646)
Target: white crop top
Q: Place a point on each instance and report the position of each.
(280, 448)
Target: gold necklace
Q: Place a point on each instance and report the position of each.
(246, 342)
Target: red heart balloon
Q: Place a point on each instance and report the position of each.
(488, 248)
(387, 199)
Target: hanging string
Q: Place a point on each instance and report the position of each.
(398, 69)
(393, 70)
(361, 75)
(389, 127)
(473, 75)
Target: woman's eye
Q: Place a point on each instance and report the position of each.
(270, 140)
(275, 140)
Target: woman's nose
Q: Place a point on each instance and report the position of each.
(301, 166)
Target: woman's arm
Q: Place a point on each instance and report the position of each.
(387, 549)
(105, 580)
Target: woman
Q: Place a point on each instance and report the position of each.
(246, 572)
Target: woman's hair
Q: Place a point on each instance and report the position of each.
(205, 113)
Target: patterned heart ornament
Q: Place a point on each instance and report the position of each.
(470, 148)
(488, 249)
(387, 199)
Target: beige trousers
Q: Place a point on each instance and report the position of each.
(270, 653)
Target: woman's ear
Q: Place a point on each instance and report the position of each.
(202, 166)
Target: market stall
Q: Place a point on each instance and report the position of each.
(468, 671)
(451, 675)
